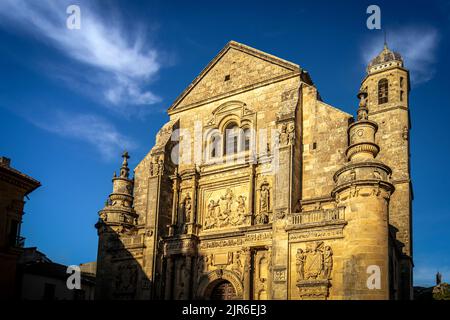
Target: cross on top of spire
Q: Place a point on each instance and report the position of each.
(124, 170)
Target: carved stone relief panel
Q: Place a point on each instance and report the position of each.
(126, 278)
(286, 133)
(225, 207)
(313, 269)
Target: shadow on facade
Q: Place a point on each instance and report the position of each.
(120, 276)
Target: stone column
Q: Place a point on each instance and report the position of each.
(169, 277)
(175, 188)
(247, 273)
(192, 221)
(188, 281)
(251, 191)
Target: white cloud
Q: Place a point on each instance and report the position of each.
(116, 54)
(416, 45)
(89, 128)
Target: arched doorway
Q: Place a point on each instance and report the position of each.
(223, 290)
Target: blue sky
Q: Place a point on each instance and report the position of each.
(72, 100)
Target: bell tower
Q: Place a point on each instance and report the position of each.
(387, 84)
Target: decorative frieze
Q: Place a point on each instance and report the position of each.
(334, 232)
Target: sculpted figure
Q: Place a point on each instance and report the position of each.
(237, 264)
(283, 134)
(228, 197)
(300, 263)
(327, 261)
(187, 208)
(210, 220)
(262, 218)
(265, 197)
(240, 214)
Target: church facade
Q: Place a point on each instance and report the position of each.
(257, 189)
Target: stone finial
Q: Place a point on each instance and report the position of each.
(125, 157)
(438, 278)
(124, 170)
(363, 111)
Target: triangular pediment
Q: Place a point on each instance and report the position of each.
(235, 68)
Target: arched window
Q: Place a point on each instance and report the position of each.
(383, 91)
(231, 138)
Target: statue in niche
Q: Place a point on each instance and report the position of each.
(228, 197)
(300, 263)
(264, 197)
(187, 210)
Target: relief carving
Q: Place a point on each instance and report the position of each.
(315, 262)
(237, 265)
(228, 210)
(156, 166)
(126, 279)
(286, 134)
(314, 266)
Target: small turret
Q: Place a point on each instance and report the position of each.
(362, 134)
(363, 187)
(118, 213)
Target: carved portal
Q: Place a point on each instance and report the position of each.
(314, 265)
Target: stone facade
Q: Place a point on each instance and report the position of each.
(257, 189)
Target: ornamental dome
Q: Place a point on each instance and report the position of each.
(387, 58)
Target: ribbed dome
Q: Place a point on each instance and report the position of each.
(385, 59)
